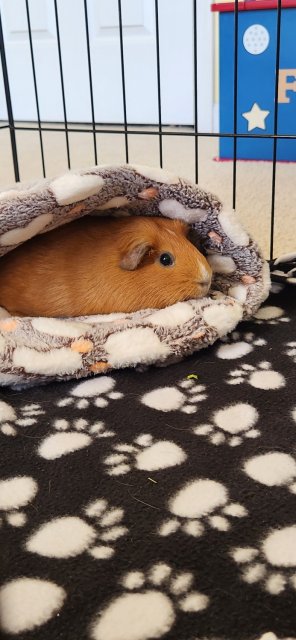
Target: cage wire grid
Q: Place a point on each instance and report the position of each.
(94, 128)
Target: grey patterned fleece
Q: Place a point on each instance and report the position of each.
(36, 350)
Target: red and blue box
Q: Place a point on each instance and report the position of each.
(257, 45)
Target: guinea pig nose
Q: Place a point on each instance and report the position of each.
(204, 286)
(204, 283)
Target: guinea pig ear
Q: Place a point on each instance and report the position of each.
(133, 257)
(194, 238)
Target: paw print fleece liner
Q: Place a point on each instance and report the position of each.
(36, 350)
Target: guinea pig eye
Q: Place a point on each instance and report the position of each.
(166, 259)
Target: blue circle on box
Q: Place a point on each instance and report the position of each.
(256, 39)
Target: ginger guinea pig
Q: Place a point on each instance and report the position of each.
(103, 265)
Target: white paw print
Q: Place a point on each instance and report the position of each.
(9, 419)
(185, 398)
(201, 503)
(44, 601)
(270, 315)
(272, 563)
(148, 606)
(69, 536)
(16, 493)
(272, 636)
(230, 425)
(291, 350)
(70, 437)
(144, 454)
(97, 390)
(273, 469)
(260, 377)
(237, 345)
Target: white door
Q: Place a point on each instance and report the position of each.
(138, 17)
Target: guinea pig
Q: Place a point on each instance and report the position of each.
(103, 265)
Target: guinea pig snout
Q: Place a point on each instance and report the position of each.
(204, 280)
(204, 287)
(205, 275)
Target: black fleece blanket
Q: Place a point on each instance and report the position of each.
(159, 504)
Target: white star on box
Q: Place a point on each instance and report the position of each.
(256, 117)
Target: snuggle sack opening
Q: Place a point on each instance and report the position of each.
(36, 350)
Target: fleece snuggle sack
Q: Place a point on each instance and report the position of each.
(36, 350)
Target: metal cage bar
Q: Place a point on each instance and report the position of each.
(195, 89)
(235, 90)
(62, 82)
(123, 80)
(9, 104)
(138, 132)
(275, 127)
(158, 82)
(35, 86)
(90, 81)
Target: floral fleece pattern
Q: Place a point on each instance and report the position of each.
(156, 505)
(39, 350)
